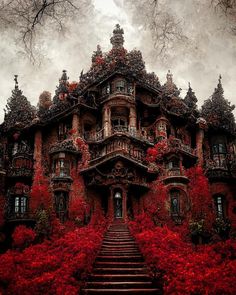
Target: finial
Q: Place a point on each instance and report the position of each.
(16, 81)
(189, 85)
(117, 40)
(64, 77)
(169, 77)
(220, 78)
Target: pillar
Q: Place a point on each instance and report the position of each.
(199, 140)
(106, 121)
(76, 124)
(38, 148)
(132, 118)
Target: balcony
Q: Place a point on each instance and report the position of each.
(219, 169)
(16, 217)
(176, 144)
(94, 136)
(118, 146)
(63, 146)
(174, 175)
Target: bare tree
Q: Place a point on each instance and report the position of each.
(228, 8)
(164, 25)
(30, 17)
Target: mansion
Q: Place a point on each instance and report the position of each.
(101, 128)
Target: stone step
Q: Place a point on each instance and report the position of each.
(119, 270)
(120, 277)
(119, 243)
(115, 254)
(130, 291)
(119, 258)
(121, 264)
(118, 285)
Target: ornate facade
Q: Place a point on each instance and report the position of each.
(119, 110)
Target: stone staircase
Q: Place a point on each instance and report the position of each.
(119, 267)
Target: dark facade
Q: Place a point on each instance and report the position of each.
(120, 111)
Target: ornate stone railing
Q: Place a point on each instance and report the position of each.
(175, 143)
(94, 136)
(65, 146)
(118, 146)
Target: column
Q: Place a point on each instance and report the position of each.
(106, 121)
(124, 204)
(132, 118)
(199, 140)
(76, 124)
(111, 204)
(37, 148)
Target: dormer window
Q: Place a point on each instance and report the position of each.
(120, 86)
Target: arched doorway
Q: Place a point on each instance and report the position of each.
(118, 208)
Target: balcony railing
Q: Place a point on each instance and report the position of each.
(13, 216)
(20, 172)
(118, 146)
(94, 136)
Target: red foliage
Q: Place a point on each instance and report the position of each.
(22, 236)
(40, 194)
(72, 86)
(83, 147)
(201, 200)
(54, 267)
(78, 208)
(156, 203)
(156, 153)
(183, 269)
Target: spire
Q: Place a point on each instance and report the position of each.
(190, 98)
(218, 111)
(64, 77)
(169, 78)
(16, 81)
(117, 40)
(169, 87)
(19, 111)
(97, 54)
(63, 83)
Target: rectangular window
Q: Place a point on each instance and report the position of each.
(120, 86)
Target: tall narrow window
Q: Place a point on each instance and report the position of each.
(175, 202)
(219, 154)
(220, 206)
(20, 204)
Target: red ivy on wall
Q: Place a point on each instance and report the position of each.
(40, 194)
(83, 147)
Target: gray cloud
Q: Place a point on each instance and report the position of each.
(209, 50)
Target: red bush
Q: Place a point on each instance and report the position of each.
(23, 236)
(183, 268)
(54, 267)
(40, 194)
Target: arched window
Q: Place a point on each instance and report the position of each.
(175, 202)
(61, 205)
(220, 205)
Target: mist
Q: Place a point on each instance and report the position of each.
(208, 50)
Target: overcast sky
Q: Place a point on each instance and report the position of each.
(208, 53)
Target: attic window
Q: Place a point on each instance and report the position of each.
(120, 86)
